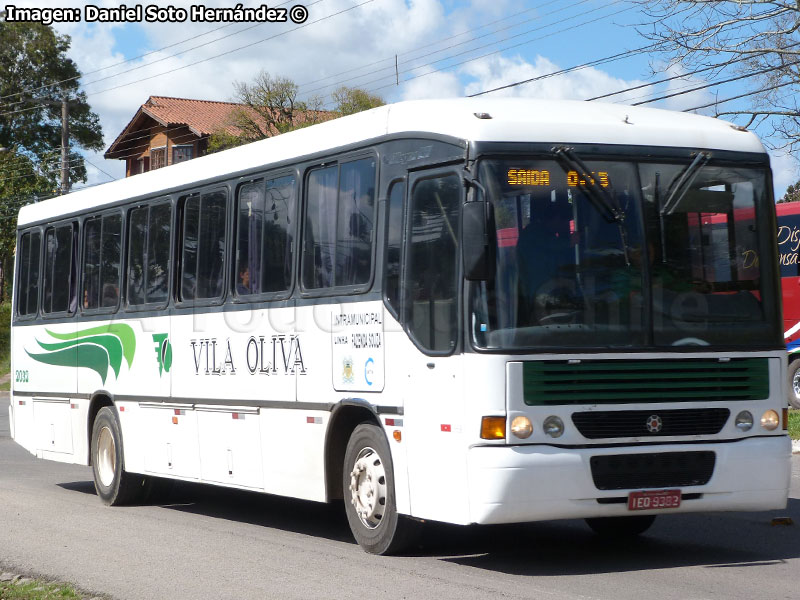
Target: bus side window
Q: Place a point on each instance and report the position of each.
(394, 241)
(204, 227)
(101, 261)
(58, 265)
(28, 277)
(264, 241)
(432, 277)
(149, 236)
(340, 214)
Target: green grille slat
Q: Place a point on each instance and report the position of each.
(621, 381)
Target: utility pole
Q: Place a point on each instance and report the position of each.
(64, 145)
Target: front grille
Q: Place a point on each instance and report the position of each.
(634, 423)
(653, 470)
(561, 382)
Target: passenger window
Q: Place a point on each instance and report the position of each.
(101, 261)
(149, 235)
(432, 280)
(28, 277)
(204, 226)
(264, 238)
(394, 241)
(340, 214)
(59, 270)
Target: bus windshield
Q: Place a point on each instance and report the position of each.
(619, 254)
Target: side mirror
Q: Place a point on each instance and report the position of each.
(478, 243)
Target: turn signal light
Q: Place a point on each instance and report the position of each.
(493, 428)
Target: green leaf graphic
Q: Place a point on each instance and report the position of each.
(90, 356)
(111, 343)
(96, 348)
(124, 332)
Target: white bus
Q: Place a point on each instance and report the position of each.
(468, 311)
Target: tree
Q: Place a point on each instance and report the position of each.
(20, 181)
(270, 106)
(349, 100)
(757, 39)
(35, 76)
(792, 193)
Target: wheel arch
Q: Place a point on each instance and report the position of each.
(98, 400)
(345, 417)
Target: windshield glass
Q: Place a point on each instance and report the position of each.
(616, 254)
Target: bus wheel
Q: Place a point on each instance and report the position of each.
(794, 383)
(113, 484)
(621, 527)
(369, 500)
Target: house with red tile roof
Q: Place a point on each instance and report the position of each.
(166, 131)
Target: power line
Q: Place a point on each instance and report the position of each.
(249, 45)
(411, 68)
(147, 54)
(569, 28)
(585, 65)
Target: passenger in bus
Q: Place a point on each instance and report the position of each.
(243, 285)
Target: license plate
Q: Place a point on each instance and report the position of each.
(654, 499)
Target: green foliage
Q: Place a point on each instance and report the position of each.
(270, 106)
(792, 193)
(36, 590)
(349, 100)
(35, 75)
(794, 424)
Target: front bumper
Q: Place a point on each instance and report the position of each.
(512, 484)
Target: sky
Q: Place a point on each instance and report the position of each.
(399, 49)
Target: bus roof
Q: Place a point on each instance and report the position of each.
(511, 120)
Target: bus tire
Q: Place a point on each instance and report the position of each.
(793, 383)
(113, 484)
(621, 527)
(369, 497)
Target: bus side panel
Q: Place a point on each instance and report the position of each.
(45, 370)
(142, 374)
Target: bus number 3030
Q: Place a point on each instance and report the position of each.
(21, 376)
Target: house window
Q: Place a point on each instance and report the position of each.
(181, 154)
(158, 158)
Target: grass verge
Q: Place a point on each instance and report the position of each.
(36, 590)
(794, 424)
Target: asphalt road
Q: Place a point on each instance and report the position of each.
(219, 544)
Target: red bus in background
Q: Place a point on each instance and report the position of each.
(789, 257)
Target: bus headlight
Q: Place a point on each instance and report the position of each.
(744, 421)
(770, 420)
(553, 426)
(521, 427)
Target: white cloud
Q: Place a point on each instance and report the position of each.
(435, 85)
(497, 71)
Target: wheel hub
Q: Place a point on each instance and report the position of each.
(796, 384)
(106, 456)
(368, 487)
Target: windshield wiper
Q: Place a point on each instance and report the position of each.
(681, 182)
(598, 196)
